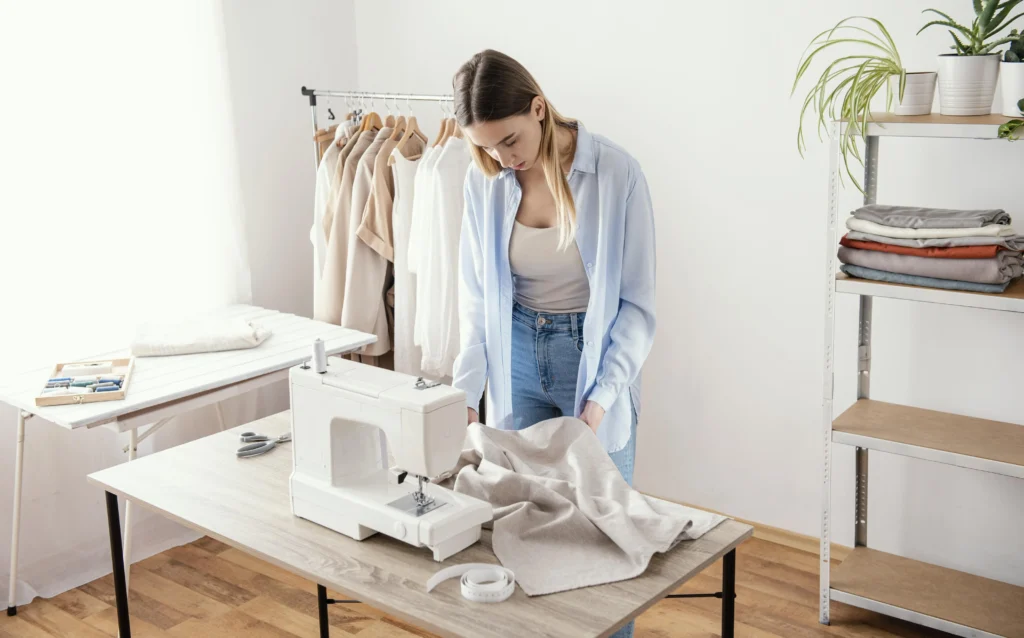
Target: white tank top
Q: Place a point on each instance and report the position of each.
(547, 279)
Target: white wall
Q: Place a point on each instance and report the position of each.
(733, 387)
(271, 49)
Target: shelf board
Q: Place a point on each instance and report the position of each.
(927, 594)
(977, 444)
(981, 127)
(1012, 300)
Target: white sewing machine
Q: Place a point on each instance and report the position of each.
(343, 423)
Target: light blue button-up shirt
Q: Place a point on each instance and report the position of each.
(615, 237)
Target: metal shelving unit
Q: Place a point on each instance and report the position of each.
(933, 596)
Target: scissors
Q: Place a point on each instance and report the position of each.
(257, 444)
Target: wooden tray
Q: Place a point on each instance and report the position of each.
(120, 366)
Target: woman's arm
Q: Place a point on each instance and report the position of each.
(470, 370)
(632, 331)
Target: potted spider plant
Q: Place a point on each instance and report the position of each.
(967, 78)
(1012, 70)
(847, 86)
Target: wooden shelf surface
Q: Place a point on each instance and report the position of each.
(873, 424)
(1012, 300)
(947, 594)
(936, 125)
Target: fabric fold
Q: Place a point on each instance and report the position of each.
(919, 217)
(192, 337)
(991, 230)
(1015, 242)
(997, 270)
(927, 282)
(951, 252)
(564, 518)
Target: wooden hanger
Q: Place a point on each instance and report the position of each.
(411, 128)
(371, 121)
(400, 125)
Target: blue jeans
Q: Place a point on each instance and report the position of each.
(546, 351)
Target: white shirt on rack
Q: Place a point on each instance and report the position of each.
(321, 198)
(437, 271)
(408, 355)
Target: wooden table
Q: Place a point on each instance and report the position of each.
(165, 387)
(245, 503)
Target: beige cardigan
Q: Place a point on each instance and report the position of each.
(336, 227)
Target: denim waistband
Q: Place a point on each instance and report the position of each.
(570, 322)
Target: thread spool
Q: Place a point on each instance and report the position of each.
(319, 357)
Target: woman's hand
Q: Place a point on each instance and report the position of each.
(592, 415)
(473, 416)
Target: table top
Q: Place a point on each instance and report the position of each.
(158, 380)
(245, 503)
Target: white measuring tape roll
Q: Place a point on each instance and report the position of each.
(481, 583)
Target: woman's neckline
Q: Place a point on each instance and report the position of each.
(536, 227)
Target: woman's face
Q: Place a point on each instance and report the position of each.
(513, 142)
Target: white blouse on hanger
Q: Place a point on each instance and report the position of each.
(437, 318)
(321, 198)
(408, 355)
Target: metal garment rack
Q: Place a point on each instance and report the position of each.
(885, 583)
(313, 94)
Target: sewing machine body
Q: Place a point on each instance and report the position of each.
(345, 421)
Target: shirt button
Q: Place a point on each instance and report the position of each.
(590, 344)
(590, 265)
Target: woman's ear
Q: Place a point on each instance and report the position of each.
(538, 108)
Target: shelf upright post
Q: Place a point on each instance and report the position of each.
(826, 404)
(864, 355)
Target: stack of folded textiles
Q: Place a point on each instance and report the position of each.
(972, 250)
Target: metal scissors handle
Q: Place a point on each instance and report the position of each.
(257, 444)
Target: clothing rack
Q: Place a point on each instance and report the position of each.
(313, 94)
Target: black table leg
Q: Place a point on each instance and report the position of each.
(124, 628)
(321, 604)
(729, 594)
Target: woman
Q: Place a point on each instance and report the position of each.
(556, 263)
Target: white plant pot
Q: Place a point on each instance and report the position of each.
(1013, 87)
(918, 93)
(967, 83)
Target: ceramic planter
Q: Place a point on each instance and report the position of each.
(967, 83)
(918, 93)
(1013, 87)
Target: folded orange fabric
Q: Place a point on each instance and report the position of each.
(952, 252)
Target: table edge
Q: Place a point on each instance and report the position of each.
(91, 423)
(399, 613)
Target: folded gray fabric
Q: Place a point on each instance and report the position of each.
(997, 270)
(928, 282)
(563, 516)
(1013, 243)
(917, 217)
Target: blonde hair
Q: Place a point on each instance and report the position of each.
(493, 86)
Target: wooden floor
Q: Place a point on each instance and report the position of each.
(209, 589)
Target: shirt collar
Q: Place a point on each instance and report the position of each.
(584, 158)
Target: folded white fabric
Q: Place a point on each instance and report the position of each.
(190, 337)
(563, 516)
(991, 230)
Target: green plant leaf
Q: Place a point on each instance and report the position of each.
(997, 23)
(1020, 105)
(985, 17)
(960, 47)
(1011, 21)
(944, 16)
(977, 6)
(1011, 130)
(985, 50)
(947, 23)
